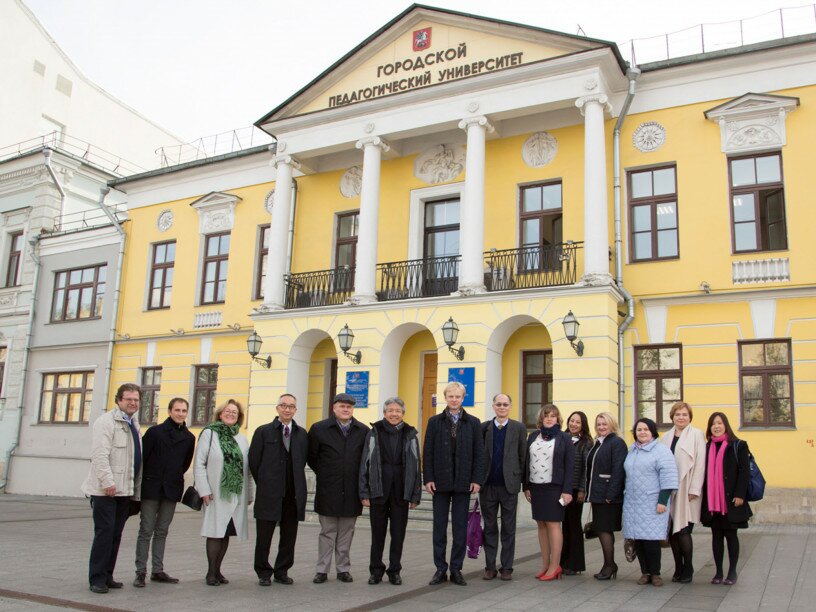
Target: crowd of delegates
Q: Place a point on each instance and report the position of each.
(656, 490)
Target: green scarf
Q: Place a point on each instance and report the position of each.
(232, 476)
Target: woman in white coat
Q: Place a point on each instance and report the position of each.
(689, 447)
(222, 480)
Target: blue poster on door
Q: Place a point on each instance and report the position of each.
(357, 387)
(466, 376)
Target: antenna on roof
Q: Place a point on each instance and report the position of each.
(580, 31)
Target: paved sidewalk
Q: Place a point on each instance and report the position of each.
(44, 544)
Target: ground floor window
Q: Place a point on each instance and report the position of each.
(537, 384)
(766, 383)
(66, 397)
(658, 381)
(149, 405)
(206, 381)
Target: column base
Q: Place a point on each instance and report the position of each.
(595, 280)
(468, 290)
(269, 307)
(360, 300)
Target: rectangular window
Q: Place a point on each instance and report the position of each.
(162, 267)
(653, 225)
(537, 384)
(345, 250)
(78, 293)
(214, 278)
(757, 203)
(766, 383)
(658, 381)
(14, 259)
(66, 397)
(263, 252)
(541, 226)
(149, 405)
(206, 381)
(3, 357)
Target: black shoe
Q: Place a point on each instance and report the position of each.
(139, 581)
(112, 584)
(220, 577)
(457, 578)
(96, 588)
(265, 581)
(372, 579)
(394, 579)
(438, 578)
(320, 578)
(283, 579)
(162, 577)
(344, 577)
(607, 572)
(212, 580)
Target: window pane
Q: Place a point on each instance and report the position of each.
(85, 303)
(647, 410)
(551, 196)
(767, 169)
(779, 386)
(745, 237)
(752, 411)
(88, 275)
(76, 381)
(781, 411)
(531, 414)
(642, 218)
(61, 408)
(59, 296)
(752, 355)
(209, 272)
(209, 292)
(222, 291)
(45, 406)
(213, 375)
(742, 172)
(669, 358)
(157, 278)
(671, 390)
(664, 181)
(648, 359)
(531, 231)
(548, 365)
(667, 243)
(641, 184)
(74, 409)
(75, 277)
(533, 393)
(667, 215)
(744, 207)
(752, 387)
(347, 229)
(531, 199)
(103, 272)
(345, 255)
(171, 252)
(776, 353)
(61, 279)
(647, 389)
(73, 304)
(534, 365)
(643, 246)
(48, 381)
(549, 394)
(160, 253)
(222, 271)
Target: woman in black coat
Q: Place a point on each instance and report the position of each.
(726, 484)
(572, 552)
(605, 483)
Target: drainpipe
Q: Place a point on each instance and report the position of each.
(632, 74)
(291, 241)
(47, 154)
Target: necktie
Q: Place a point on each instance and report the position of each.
(286, 440)
(286, 431)
(501, 426)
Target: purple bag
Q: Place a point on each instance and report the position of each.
(475, 533)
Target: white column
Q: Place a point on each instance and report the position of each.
(365, 272)
(596, 213)
(471, 211)
(275, 287)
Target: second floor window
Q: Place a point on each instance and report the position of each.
(206, 382)
(263, 253)
(758, 203)
(162, 267)
(214, 276)
(149, 404)
(541, 226)
(78, 293)
(653, 214)
(658, 381)
(14, 258)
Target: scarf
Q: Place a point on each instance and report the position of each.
(548, 433)
(454, 423)
(715, 488)
(232, 474)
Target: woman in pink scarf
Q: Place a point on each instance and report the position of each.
(726, 482)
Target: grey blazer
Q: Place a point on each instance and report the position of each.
(515, 451)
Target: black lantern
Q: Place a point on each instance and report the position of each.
(346, 339)
(450, 332)
(254, 343)
(571, 326)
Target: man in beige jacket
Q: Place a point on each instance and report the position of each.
(113, 480)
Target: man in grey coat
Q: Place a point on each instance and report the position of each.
(505, 443)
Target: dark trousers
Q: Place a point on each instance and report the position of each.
(381, 512)
(286, 543)
(490, 500)
(572, 553)
(457, 505)
(648, 554)
(109, 516)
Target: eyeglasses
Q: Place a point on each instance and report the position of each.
(230, 412)
(502, 405)
(287, 406)
(128, 400)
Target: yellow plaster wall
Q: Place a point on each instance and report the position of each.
(319, 373)
(531, 337)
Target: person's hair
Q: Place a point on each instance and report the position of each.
(649, 423)
(282, 395)
(128, 387)
(679, 406)
(611, 421)
(728, 431)
(454, 385)
(509, 399)
(177, 399)
(548, 409)
(585, 433)
(222, 407)
(394, 400)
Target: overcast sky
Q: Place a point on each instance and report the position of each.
(199, 67)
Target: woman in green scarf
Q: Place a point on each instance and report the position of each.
(222, 480)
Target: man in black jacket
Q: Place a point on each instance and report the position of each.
(453, 467)
(167, 451)
(335, 449)
(390, 484)
(277, 461)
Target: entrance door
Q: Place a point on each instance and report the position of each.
(429, 363)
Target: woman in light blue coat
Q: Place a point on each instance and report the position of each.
(651, 476)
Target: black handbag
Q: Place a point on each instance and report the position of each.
(589, 530)
(192, 499)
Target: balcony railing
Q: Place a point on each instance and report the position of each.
(415, 278)
(530, 267)
(321, 288)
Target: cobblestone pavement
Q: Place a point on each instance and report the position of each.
(44, 545)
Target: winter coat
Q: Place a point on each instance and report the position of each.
(112, 457)
(269, 465)
(209, 463)
(736, 475)
(370, 484)
(563, 467)
(582, 447)
(167, 452)
(515, 453)
(649, 470)
(453, 476)
(606, 478)
(335, 459)
(689, 454)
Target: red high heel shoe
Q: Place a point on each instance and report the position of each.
(556, 575)
(541, 574)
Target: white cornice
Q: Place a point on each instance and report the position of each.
(733, 296)
(78, 241)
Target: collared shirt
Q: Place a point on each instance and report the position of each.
(455, 417)
(500, 425)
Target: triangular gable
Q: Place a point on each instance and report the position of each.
(426, 46)
(750, 103)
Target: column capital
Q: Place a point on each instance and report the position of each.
(285, 159)
(374, 141)
(600, 98)
(481, 120)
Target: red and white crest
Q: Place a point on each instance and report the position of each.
(422, 39)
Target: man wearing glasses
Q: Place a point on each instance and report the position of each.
(277, 461)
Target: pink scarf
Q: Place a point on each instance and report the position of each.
(716, 482)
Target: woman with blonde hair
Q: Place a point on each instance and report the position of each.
(222, 480)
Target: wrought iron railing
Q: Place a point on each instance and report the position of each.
(321, 288)
(415, 278)
(534, 266)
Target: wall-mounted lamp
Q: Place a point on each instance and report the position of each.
(450, 332)
(571, 325)
(346, 339)
(254, 343)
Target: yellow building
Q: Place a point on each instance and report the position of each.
(458, 170)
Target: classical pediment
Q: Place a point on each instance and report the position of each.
(753, 122)
(216, 212)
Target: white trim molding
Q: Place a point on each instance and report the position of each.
(752, 122)
(216, 212)
(774, 270)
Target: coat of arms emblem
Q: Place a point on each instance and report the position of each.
(422, 39)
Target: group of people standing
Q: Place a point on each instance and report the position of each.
(656, 490)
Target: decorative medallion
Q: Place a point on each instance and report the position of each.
(649, 136)
(440, 164)
(351, 182)
(539, 149)
(217, 220)
(752, 136)
(165, 220)
(269, 201)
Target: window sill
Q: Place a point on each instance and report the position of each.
(654, 260)
(155, 308)
(73, 320)
(767, 428)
